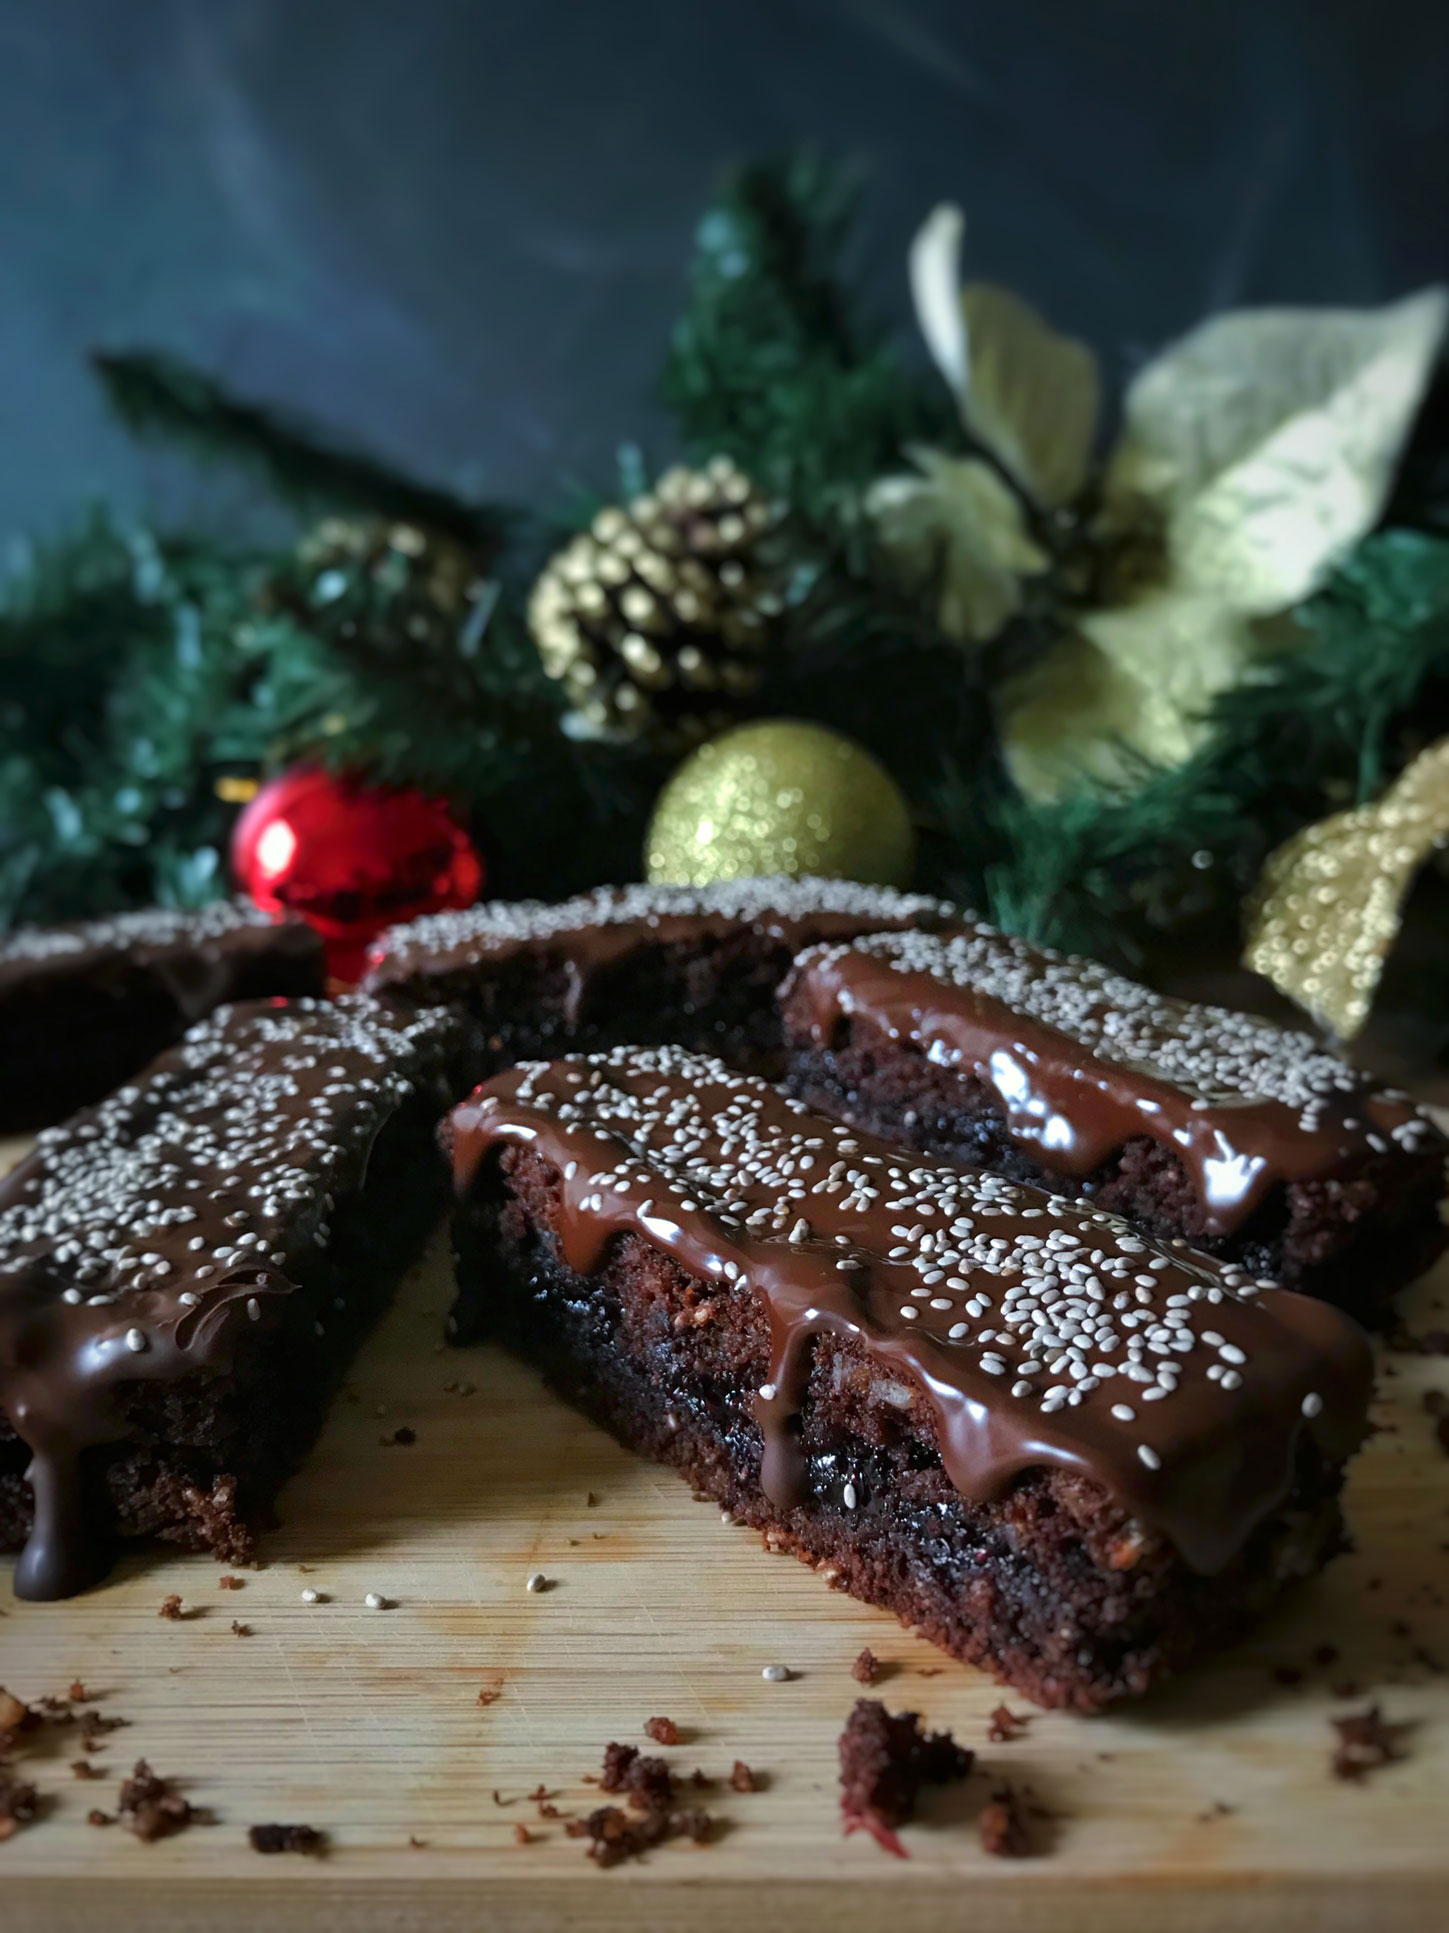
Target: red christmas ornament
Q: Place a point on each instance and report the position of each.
(351, 858)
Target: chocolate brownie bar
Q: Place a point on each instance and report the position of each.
(1058, 1448)
(185, 1269)
(1249, 1141)
(83, 1007)
(696, 966)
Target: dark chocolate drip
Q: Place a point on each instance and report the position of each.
(754, 1194)
(149, 1237)
(1071, 1095)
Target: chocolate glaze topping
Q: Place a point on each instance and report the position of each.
(1042, 1331)
(1082, 1059)
(144, 1237)
(196, 955)
(596, 931)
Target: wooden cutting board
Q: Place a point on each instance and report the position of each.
(1211, 1807)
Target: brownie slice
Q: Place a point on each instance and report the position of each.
(1246, 1140)
(696, 966)
(186, 1268)
(83, 1007)
(1058, 1448)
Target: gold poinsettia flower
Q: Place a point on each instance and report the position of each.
(1255, 453)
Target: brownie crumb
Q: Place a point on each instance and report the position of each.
(78, 1695)
(149, 1806)
(1007, 1725)
(286, 1839)
(240, 1630)
(742, 1778)
(230, 1583)
(645, 1781)
(663, 1731)
(19, 1803)
(418, 1845)
(1287, 1675)
(867, 1668)
(81, 1768)
(490, 1694)
(521, 1835)
(885, 1759)
(171, 1608)
(401, 1437)
(1003, 1826)
(591, 1502)
(94, 1726)
(95, 1817)
(15, 1716)
(1325, 1655)
(614, 1835)
(1366, 1741)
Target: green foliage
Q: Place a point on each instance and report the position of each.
(163, 400)
(136, 671)
(769, 365)
(1326, 723)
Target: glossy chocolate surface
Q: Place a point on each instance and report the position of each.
(1041, 1331)
(595, 932)
(1082, 1059)
(144, 1238)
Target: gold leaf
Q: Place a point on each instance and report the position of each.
(1265, 442)
(1131, 684)
(957, 524)
(934, 266)
(1031, 395)
(1330, 900)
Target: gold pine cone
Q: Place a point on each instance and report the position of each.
(658, 619)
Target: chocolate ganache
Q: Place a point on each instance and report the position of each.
(197, 956)
(1081, 1059)
(1043, 1331)
(598, 931)
(149, 1238)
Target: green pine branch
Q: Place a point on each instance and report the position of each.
(769, 361)
(161, 399)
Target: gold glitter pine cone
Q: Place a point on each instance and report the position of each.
(391, 584)
(781, 796)
(658, 619)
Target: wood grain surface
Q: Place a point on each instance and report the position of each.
(1210, 1807)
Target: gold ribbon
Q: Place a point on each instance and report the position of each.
(1330, 900)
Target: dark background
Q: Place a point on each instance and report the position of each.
(459, 231)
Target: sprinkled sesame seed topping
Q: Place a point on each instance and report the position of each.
(536, 1582)
(136, 1340)
(979, 1284)
(777, 1674)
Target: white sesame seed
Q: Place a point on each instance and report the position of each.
(1124, 1413)
(1312, 1405)
(536, 1582)
(849, 1496)
(309, 1596)
(1147, 1455)
(777, 1674)
(136, 1340)
(375, 1601)
(254, 1309)
(767, 1392)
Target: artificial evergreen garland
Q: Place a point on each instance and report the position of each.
(147, 680)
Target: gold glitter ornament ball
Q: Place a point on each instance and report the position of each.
(780, 796)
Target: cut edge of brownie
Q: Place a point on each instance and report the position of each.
(197, 1459)
(1055, 1587)
(1353, 1239)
